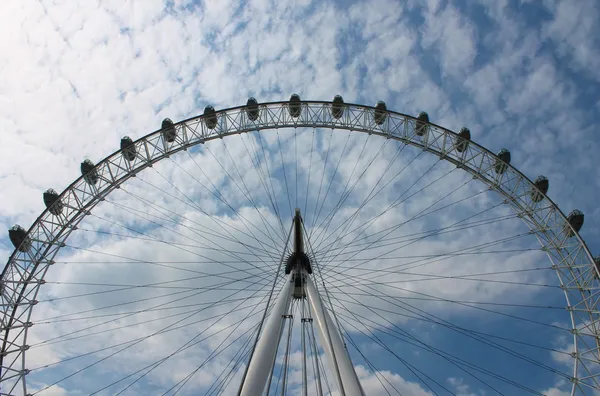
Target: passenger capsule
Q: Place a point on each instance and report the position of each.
(337, 108)
(252, 110)
(502, 161)
(53, 202)
(540, 189)
(597, 264)
(421, 124)
(18, 237)
(89, 172)
(168, 130)
(575, 219)
(210, 117)
(295, 106)
(128, 148)
(380, 112)
(462, 142)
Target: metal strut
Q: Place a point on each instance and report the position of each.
(299, 285)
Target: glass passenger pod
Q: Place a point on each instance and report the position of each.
(337, 108)
(575, 220)
(210, 117)
(53, 202)
(295, 106)
(18, 237)
(168, 130)
(540, 189)
(502, 161)
(89, 172)
(252, 110)
(380, 113)
(421, 123)
(463, 139)
(597, 265)
(128, 148)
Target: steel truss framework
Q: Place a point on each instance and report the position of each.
(570, 257)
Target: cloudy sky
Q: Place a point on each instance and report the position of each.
(438, 287)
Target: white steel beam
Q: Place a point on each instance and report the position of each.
(265, 353)
(332, 343)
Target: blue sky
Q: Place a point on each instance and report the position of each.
(520, 74)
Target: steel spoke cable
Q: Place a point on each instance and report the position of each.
(221, 382)
(414, 370)
(431, 348)
(455, 301)
(411, 237)
(53, 299)
(260, 173)
(157, 240)
(125, 348)
(412, 308)
(346, 192)
(421, 214)
(430, 256)
(63, 315)
(61, 337)
(214, 353)
(423, 257)
(429, 260)
(350, 219)
(445, 300)
(217, 221)
(205, 229)
(364, 240)
(445, 256)
(225, 264)
(192, 342)
(221, 198)
(262, 178)
(247, 194)
(426, 347)
(312, 145)
(397, 202)
(453, 359)
(270, 179)
(203, 233)
(335, 171)
(432, 321)
(453, 327)
(183, 306)
(252, 250)
(287, 190)
(374, 369)
(174, 328)
(151, 366)
(267, 307)
(344, 196)
(195, 206)
(314, 217)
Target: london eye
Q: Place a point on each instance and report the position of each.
(300, 247)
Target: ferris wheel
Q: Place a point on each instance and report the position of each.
(301, 247)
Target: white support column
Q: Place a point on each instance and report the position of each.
(266, 348)
(332, 343)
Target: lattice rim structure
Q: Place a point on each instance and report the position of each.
(24, 273)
